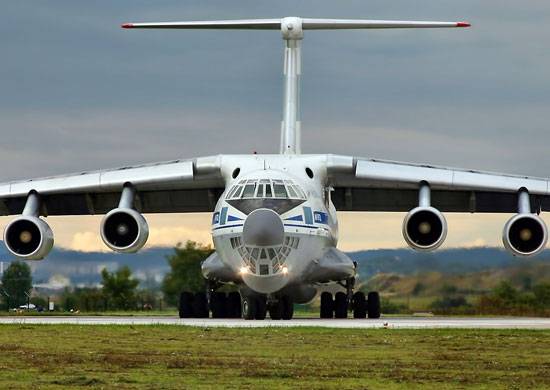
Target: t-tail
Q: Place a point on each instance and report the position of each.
(292, 29)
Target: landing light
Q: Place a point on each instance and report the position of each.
(285, 270)
(244, 270)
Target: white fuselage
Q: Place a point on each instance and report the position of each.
(283, 184)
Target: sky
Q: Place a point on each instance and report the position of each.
(80, 93)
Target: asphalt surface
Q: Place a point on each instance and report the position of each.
(390, 322)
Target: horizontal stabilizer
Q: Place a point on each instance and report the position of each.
(307, 24)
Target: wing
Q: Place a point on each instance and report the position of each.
(362, 184)
(167, 187)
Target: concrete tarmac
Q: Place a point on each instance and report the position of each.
(389, 322)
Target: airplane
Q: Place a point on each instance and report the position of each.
(274, 221)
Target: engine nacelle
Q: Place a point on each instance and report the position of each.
(124, 230)
(424, 228)
(525, 235)
(28, 238)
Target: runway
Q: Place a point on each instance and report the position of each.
(390, 322)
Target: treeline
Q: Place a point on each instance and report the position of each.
(119, 289)
(504, 299)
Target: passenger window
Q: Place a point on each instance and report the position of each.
(249, 191)
(280, 191)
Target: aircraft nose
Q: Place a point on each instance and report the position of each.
(263, 227)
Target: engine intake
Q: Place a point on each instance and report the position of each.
(525, 235)
(124, 230)
(28, 238)
(424, 228)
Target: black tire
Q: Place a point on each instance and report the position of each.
(327, 305)
(276, 310)
(248, 305)
(185, 305)
(234, 305)
(261, 308)
(218, 305)
(373, 305)
(340, 305)
(359, 305)
(288, 307)
(200, 305)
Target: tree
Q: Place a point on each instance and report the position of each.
(17, 281)
(185, 273)
(506, 292)
(542, 294)
(119, 288)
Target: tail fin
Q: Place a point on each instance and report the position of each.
(292, 29)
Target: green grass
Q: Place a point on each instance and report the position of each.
(174, 357)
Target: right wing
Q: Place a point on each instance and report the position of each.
(177, 186)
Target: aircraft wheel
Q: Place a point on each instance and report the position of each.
(327, 305)
(200, 305)
(261, 308)
(373, 305)
(185, 305)
(340, 305)
(218, 305)
(276, 310)
(233, 305)
(359, 305)
(248, 305)
(288, 307)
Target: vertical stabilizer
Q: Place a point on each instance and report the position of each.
(293, 29)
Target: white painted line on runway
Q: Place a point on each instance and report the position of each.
(391, 322)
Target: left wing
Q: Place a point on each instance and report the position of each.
(362, 184)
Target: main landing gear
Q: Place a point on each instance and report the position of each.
(231, 305)
(339, 305)
(222, 305)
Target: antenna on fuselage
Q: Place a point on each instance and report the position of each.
(292, 29)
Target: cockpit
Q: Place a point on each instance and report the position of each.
(266, 188)
(275, 194)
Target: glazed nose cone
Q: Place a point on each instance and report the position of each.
(263, 227)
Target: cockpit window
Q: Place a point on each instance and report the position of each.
(266, 188)
(280, 191)
(249, 191)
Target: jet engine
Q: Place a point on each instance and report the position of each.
(424, 228)
(124, 230)
(28, 237)
(525, 235)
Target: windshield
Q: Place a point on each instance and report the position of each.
(266, 188)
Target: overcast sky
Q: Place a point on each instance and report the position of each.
(78, 93)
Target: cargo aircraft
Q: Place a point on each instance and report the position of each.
(274, 221)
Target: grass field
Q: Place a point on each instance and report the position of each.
(153, 357)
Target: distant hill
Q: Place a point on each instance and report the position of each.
(448, 261)
(83, 268)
